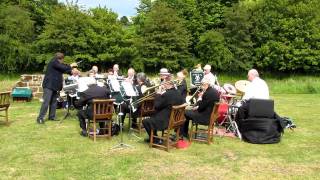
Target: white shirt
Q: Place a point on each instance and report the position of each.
(258, 89)
(73, 78)
(212, 78)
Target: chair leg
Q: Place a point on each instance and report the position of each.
(191, 133)
(140, 125)
(177, 135)
(94, 130)
(151, 138)
(167, 141)
(7, 117)
(109, 129)
(209, 135)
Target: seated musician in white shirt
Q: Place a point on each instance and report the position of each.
(257, 89)
(95, 71)
(74, 77)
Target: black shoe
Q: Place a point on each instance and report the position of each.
(40, 121)
(52, 119)
(84, 133)
(158, 141)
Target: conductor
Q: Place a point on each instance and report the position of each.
(52, 83)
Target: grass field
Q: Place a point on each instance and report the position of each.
(57, 151)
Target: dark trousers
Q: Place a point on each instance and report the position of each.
(49, 100)
(148, 125)
(83, 115)
(185, 128)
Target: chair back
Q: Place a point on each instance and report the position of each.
(147, 107)
(4, 99)
(103, 108)
(261, 108)
(214, 114)
(177, 118)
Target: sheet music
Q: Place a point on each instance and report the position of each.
(83, 83)
(128, 89)
(115, 85)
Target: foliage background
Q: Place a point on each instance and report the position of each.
(231, 35)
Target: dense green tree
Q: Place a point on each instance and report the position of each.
(238, 37)
(16, 31)
(164, 40)
(287, 35)
(212, 50)
(124, 21)
(95, 37)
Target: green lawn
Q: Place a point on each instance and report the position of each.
(57, 151)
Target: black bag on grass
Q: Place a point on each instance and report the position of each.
(261, 130)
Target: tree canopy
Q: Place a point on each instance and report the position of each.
(230, 35)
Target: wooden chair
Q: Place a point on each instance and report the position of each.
(146, 110)
(208, 131)
(102, 112)
(4, 104)
(176, 120)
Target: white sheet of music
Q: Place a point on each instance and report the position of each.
(83, 83)
(115, 85)
(128, 89)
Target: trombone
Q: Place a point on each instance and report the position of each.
(152, 94)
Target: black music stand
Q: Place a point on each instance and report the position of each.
(131, 132)
(69, 106)
(121, 144)
(70, 89)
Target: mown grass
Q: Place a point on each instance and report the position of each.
(57, 151)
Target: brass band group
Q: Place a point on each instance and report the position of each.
(131, 90)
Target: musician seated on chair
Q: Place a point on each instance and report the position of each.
(142, 84)
(95, 72)
(208, 75)
(201, 112)
(164, 74)
(257, 89)
(85, 101)
(72, 79)
(132, 77)
(163, 103)
(125, 107)
(182, 87)
(116, 71)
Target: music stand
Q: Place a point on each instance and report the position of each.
(70, 89)
(121, 144)
(131, 132)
